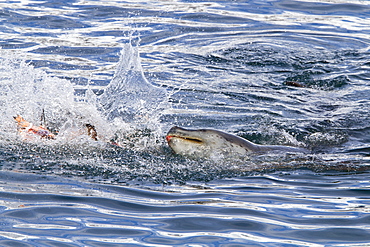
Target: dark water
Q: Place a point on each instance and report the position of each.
(134, 69)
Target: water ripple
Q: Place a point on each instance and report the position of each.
(223, 213)
(227, 65)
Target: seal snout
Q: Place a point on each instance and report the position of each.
(171, 133)
(168, 138)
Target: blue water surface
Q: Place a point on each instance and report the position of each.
(229, 65)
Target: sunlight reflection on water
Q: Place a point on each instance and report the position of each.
(224, 65)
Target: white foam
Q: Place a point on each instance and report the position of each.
(128, 104)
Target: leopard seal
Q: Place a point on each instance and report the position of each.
(209, 142)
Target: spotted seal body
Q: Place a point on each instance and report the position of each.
(208, 142)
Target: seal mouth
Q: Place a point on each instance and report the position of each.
(186, 138)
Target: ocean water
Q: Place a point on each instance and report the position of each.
(134, 69)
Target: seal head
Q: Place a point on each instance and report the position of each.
(208, 142)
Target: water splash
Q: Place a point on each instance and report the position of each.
(132, 120)
(130, 97)
(129, 110)
(30, 92)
